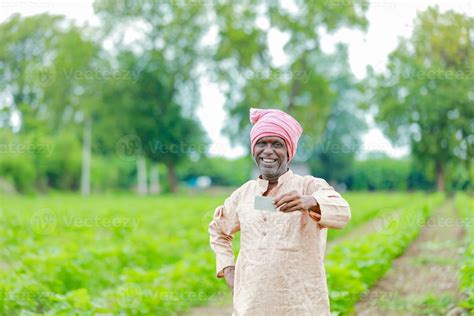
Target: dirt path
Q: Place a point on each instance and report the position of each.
(424, 280)
(219, 306)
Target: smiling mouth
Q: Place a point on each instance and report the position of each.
(268, 160)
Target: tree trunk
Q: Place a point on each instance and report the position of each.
(172, 179)
(141, 175)
(154, 179)
(439, 176)
(86, 158)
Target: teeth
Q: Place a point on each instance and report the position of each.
(269, 160)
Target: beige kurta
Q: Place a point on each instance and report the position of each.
(280, 266)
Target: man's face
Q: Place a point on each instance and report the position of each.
(271, 155)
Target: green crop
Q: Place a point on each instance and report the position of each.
(126, 255)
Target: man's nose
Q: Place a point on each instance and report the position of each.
(268, 148)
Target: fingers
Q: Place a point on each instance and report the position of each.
(291, 207)
(315, 215)
(280, 197)
(285, 198)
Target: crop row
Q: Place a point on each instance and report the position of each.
(465, 207)
(368, 206)
(353, 266)
(125, 255)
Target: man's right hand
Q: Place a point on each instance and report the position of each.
(229, 277)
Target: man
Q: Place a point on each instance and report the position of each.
(280, 266)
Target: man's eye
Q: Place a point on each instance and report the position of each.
(278, 145)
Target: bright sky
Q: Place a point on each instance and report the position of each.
(388, 20)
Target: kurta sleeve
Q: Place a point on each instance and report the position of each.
(224, 225)
(335, 211)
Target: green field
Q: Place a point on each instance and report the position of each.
(64, 254)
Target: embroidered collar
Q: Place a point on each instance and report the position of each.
(262, 183)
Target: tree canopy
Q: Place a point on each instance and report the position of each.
(425, 99)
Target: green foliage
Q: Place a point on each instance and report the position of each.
(38, 162)
(223, 172)
(353, 266)
(48, 65)
(381, 205)
(129, 255)
(252, 78)
(333, 157)
(67, 255)
(158, 105)
(465, 206)
(26, 44)
(425, 98)
(383, 173)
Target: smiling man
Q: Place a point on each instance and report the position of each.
(282, 218)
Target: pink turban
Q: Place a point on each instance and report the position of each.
(272, 122)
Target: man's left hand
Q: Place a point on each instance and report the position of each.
(294, 201)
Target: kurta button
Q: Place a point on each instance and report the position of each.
(264, 219)
(264, 233)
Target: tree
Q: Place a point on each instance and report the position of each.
(26, 48)
(160, 104)
(251, 77)
(341, 140)
(49, 69)
(72, 98)
(425, 97)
